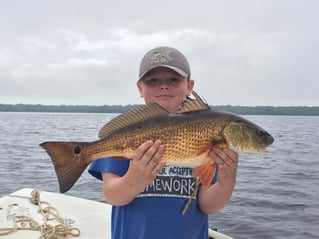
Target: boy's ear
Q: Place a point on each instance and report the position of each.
(190, 86)
(140, 88)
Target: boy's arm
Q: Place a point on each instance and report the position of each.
(144, 167)
(215, 197)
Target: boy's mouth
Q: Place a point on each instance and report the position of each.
(164, 97)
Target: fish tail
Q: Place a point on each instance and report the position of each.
(205, 173)
(68, 161)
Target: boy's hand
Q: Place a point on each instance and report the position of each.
(227, 161)
(146, 164)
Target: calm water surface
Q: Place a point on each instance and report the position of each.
(276, 195)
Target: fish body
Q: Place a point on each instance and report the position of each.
(188, 137)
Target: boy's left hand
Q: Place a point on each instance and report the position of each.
(227, 161)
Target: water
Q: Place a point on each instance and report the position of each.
(276, 195)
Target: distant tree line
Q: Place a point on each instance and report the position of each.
(66, 108)
(245, 110)
(270, 110)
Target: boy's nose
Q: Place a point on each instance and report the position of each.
(163, 84)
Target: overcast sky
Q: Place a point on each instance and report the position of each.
(241, 52)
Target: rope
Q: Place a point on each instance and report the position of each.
(62, 229)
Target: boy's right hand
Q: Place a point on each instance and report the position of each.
(146, 164)
(143, 169)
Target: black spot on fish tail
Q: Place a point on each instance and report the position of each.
(77, 150)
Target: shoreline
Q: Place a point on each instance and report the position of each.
(243, 110)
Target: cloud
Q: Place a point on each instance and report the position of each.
(241, 53)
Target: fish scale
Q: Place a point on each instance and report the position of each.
(182, 140)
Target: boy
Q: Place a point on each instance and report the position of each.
(147, 196)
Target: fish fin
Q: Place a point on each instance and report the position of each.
(146, 112)
(219, 141)
(205, 173)
(189, 201)
(68, 162)
(193, 104)
(204, 148)
(131, 117)
(150, 111)
(222, 145)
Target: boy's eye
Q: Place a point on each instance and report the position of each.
(152, 81)
(156, 82)
(173, 81)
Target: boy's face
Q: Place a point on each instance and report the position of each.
(165, 87)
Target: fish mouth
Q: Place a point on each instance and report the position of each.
(260, 149)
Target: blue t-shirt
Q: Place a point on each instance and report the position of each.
(157, 211)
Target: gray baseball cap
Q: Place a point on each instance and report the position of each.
(165, 57)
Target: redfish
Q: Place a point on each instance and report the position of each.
(188, 136)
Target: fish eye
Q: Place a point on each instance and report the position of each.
(260, 132)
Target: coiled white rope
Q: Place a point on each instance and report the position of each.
(60, 230)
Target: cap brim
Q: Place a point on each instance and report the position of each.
(177, 70)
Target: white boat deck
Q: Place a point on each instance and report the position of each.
(93, 219)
